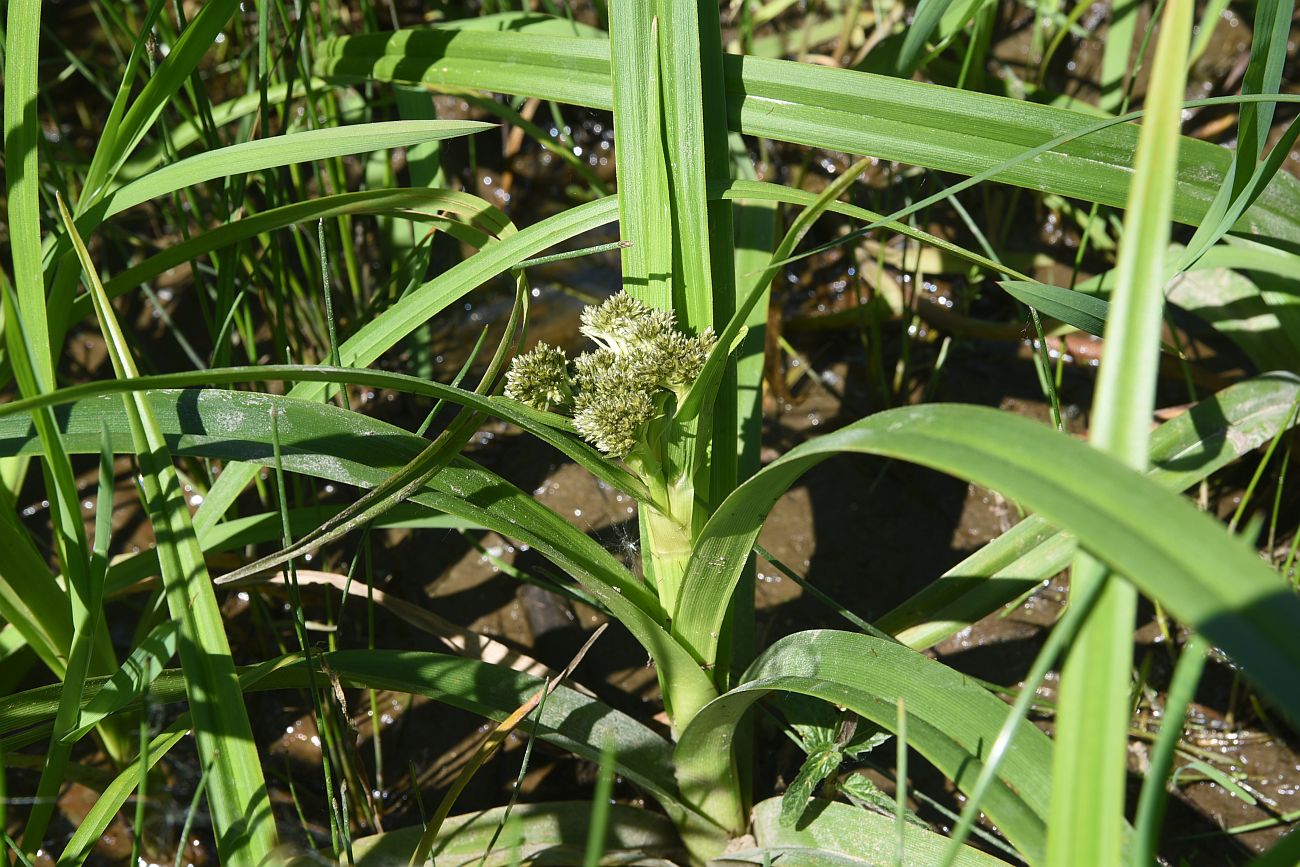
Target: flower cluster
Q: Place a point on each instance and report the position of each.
(616, 390)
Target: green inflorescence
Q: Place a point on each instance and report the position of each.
(615, 391)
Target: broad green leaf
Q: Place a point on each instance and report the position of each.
(1173, 552)
(1184, 450)
(547, 833)
(694, 141)
(1256, 307)
(527, 22)
(551, 429)
(844, 831)
(1237, 308)
(794, 856)
(22, 177)
(738, 409)
(645, 204)
(816, 768)
(755, 238)
(950, 720)
(855, 112)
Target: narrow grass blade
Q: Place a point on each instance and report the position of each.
(1246, 176)
(132, 680)
(149, 156)
(1117, 52)
(1210, 231)
(140, 47)
(414, 204)
(756, 227)
(928, 15)
(1085, 312)
(748, 189)
(31, 600)
(1093, 709)
(114, 797)
(1058, 639)
(1152, 800)
(26, 335)
(241, 810)
(702, 391)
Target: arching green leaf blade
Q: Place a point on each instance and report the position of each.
(950, 720)
(1171, 551)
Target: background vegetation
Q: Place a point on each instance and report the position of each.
(285, 575)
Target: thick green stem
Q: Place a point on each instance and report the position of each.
(669, 542)
(669, 530)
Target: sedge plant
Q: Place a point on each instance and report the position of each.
(662, 405)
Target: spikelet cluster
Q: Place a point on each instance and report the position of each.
(616, 390)
(540, 378)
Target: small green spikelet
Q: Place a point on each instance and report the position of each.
(620, 387)
(540, 378)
